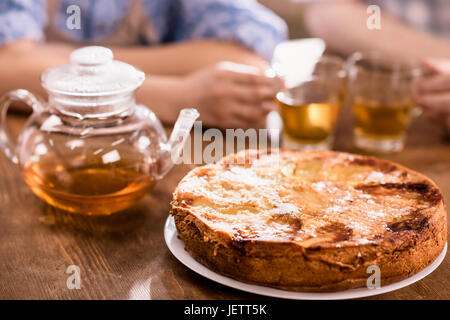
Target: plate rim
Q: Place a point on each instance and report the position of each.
(176, 247)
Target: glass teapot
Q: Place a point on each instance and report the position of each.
(91, 149)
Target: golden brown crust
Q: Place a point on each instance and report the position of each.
(270, 223)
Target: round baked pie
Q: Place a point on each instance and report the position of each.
(309, 221)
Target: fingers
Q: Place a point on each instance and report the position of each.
(436, 102)
(250, 113)
(235, 114)
(269, 106)
(437, 108)
(254, 79)
(253, 94)
(247, 88)
(238, 67)
(434, 83)
(433, 115)
(250, 75)
(244, 73)
(439, 118)
(437, 65)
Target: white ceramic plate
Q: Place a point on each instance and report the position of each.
(176, 246)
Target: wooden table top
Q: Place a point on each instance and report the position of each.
(124, 256)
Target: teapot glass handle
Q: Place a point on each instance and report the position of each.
(7, 145)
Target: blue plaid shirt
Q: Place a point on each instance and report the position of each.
(155, 21)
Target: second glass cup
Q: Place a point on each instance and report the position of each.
(310, 103)
(382, 102)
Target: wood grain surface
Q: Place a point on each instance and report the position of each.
(124, 256)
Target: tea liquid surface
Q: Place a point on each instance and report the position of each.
(92, 191)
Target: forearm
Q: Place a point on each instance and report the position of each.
(22, 62)
(185, 57)
(342, 24)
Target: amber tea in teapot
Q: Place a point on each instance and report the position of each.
(99, 190)
(92, 149)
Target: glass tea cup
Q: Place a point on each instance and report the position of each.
(310, 102)
(382, 102)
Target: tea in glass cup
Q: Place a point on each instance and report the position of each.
(309, 107)
(382, 102)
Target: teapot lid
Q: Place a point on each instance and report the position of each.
(92, 72)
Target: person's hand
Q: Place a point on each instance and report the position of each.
(432, 92)
(230, 95)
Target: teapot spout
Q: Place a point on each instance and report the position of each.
(177, 139)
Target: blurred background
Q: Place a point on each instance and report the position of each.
(293, 13)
